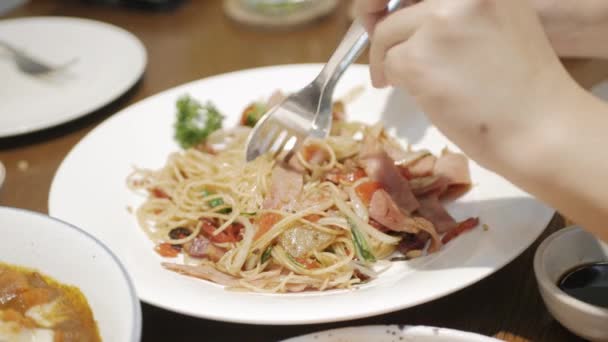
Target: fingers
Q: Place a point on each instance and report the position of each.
(370, 6)
(369, 12)
(392, 30)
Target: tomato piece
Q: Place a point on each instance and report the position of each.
(313, 217)
(314, 154)
(234, 232)
(159, 193)
(338, 176)
(309, 264)
(354, 175)
(265, 222)
(245, 116)
(366, 190)
(462, 227)
(309, 150)
(166, 250)
(230, 234)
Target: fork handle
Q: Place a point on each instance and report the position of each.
(352, 45)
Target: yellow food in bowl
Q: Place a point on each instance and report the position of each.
(35, 307)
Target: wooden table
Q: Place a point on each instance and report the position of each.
(196, 40)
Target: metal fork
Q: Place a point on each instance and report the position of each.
(31, 65)
(307, 112)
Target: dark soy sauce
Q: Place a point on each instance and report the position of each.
(588, 283)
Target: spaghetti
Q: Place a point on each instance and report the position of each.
(265, 227)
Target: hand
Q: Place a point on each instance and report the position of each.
(575, 28)
(486, 75)
(370, 12)
(482, 70)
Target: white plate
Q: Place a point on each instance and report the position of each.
(89, 190)
(392, 333)
(110, 61)
(72, 256)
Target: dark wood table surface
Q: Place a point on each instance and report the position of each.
(196, 40)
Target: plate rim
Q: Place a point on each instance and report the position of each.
(403, 328)
(137, 75)
(482, 274)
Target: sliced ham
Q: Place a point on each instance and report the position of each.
(201, 247)
(295, 165)
(425, 185)
(454, 167)
(408, 158)
(381, 168)
(425, 225)
(394, 151)
(423, 166)
(386, 212)
(462, 227)
(206, 272)
(285, 186)
(432, 210)
(412, 242)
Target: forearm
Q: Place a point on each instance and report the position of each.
(566, 163)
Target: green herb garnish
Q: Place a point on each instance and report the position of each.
(266, 254)
(195, 122)
(361, 248)
(216, 202)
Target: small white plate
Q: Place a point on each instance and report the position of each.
(89, 190)
(110, 61)
(72, 256)
(392, 333)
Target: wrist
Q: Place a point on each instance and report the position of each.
(531, 152)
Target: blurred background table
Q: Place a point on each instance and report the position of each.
(197, 40)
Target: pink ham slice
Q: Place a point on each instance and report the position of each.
(201, 247)
(381, 168)
(386, 212)
(425, 185)
(285, 186)
(395, 152)
(295, 165)
(423, 167)
(432, 210)
(203, 271)
(454, 167)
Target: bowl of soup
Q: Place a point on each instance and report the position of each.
(58, 283)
